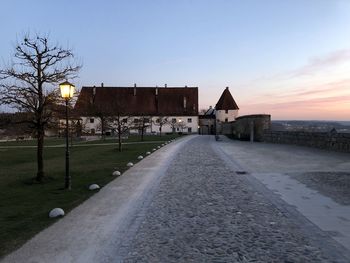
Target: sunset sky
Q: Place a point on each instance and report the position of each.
(287, 58)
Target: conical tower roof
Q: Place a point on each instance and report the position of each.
(226, 101)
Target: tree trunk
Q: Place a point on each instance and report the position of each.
(160, 131)
(40, 160)
(142, 131)
(119, 141)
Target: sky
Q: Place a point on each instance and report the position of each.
(289, 58)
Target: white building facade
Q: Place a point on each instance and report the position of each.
(150, 110)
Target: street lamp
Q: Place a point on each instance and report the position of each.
(67, 91)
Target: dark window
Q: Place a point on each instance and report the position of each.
(145, 120)
(189, 129)
(173, 120)
(136, 120)
(226, 111)
(157, 120)
(125, 120)
(189, 120)
(226, 119)
(92, 120)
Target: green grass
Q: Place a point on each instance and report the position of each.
(61, 141)
(25, 205)
(135, 138)
(48, 141)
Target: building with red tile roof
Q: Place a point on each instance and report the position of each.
(177, 104)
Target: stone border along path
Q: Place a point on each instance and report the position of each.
(191, 208)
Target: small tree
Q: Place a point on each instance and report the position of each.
(161, 121)
(29, 84)
(122, 125)
(181, 125)
(143, 122)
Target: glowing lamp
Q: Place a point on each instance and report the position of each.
(67, 90)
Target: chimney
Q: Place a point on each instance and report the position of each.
(227, 88)
(134, 85)
(186, 86)
(102, 84)
(210, 107)
(165, 85)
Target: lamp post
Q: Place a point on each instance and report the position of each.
(67, 91)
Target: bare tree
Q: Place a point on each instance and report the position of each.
(122, 125)
(29, 83)
(173, 124)
(142, 123)
(161, 121)
(181, 125)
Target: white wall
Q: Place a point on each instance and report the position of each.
(193, 125)
(153, 128)
(231, 115)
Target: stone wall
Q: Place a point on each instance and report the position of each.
(323, 140)
(248, 126)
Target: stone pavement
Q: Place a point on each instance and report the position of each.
(203, 211)
(184, 203)
(315, 182)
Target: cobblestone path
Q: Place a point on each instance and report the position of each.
(203, 211)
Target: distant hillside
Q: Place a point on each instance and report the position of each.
(321, 126)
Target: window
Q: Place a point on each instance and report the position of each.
(157, 120)
(226, 111)
(226, 119)
(146, 120)
(173, 120)
(189, 120)
(92, 120)
(93, 131)
(136, 120)
(125, 120)
(189, 129)
(177, 129)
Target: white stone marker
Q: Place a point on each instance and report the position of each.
(94, 187)
(116, 173)
(140, 157)
(158, 147)
(130, 164)
(148, 153)
(56, 212)
(154, 149)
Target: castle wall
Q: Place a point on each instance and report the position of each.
(248, 125)
(323, 140)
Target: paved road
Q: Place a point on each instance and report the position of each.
(184, 203)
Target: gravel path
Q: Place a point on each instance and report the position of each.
(204, 212)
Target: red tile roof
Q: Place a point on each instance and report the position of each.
(226, 101)
(154, 101)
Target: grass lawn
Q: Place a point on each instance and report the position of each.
(25, 205)
(61, 141)
(135, 138)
